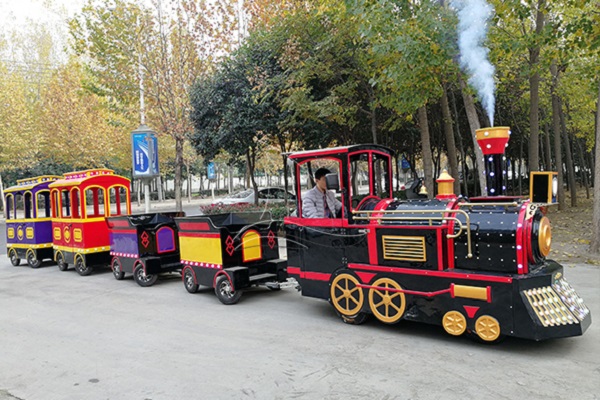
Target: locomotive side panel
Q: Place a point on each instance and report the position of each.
(318, 251)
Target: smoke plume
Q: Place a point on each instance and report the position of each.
(473, 16)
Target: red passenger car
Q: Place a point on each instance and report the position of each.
(81, 202)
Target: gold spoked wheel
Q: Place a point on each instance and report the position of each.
(487, 328)
(387, 305)
(346, 296)
(454, 323)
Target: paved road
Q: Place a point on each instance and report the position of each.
(63, 336)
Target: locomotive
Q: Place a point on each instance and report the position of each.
(475, 266)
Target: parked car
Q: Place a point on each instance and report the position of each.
(265, 195)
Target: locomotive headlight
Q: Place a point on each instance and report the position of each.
(544, 236)
(554, 186)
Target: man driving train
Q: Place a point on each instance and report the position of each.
(319, 202)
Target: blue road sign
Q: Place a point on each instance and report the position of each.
(405, 164)
(210, 170)
(144, 147)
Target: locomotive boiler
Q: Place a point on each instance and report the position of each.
(475, 265)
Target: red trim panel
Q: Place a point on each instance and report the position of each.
(365, 276)
(412, 292)
(318, 153)
(126, 231)
(313, 276)
(319, 222)
(522, 267)
(117, 223)
(200, 235)
(194, 226)
(439, 274)
(471, 310)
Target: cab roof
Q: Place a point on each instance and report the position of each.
(78, 178)
(338, 151)
(31, 183)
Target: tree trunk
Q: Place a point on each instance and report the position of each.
(189, 183)
(547, 148)
(595, 244)
(465, 169)
(426, 149)
(2, 196)
(250, 160)
(178, 166)
(521, 166)
(557, 136)
(534, 88)
(584, 168)
(474, 125)
(570, 167)
(450, 142)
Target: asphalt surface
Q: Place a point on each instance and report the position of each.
(63, 336)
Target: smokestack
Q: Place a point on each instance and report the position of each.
(492, 142)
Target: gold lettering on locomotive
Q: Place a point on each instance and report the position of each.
(10, 233)
(29, 233)
(57, 234)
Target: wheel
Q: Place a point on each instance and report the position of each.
(225, 291)
(139, 275)
(32, 259)
(387, 305)
(60, 260)
(117, 270)
(14, 259)
(358, 319)
(454, 323)
(487, 328)
(346, 296)
(189, 282)
(81, 268)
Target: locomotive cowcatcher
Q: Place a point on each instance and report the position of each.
(230, 252)
(144, 245)
(28, 223)
(470, 265)
(81, 202)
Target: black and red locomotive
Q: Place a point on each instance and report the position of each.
(470, 265)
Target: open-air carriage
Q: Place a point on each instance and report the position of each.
(144, 245)
(230, 252)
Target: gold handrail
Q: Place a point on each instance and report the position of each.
(429, 219)
(513, 204)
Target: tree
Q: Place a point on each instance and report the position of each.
(174, 42)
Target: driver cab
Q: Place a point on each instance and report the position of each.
(360, 177)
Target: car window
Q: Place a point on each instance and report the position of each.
(263, 194)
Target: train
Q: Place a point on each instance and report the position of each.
(474, 266)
